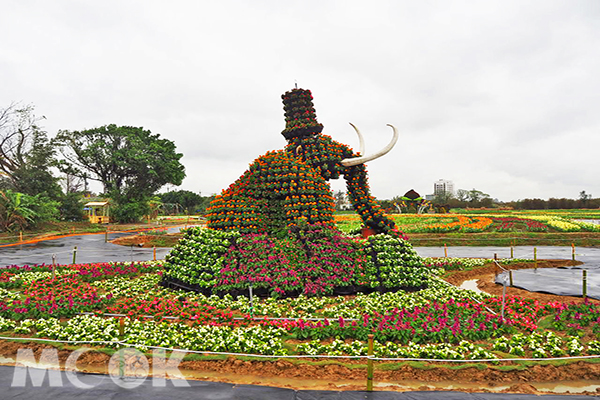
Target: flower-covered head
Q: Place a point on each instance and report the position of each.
(300, 116)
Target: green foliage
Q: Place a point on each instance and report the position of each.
(33, 176)
(311, 259)
(394, 263)
(132, 164)
(19, 211)
(198, 257)
(14, 211)
(45, 208)
(26, 154)
(71, 208)
(185, 201)
(129, 210)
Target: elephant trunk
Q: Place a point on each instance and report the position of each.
(365, 205)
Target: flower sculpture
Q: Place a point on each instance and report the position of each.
(285, 186)
(273, 230)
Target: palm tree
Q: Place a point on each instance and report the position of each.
(14, 212)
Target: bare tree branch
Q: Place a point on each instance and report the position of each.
(18, 124)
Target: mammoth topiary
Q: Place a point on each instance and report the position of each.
(273, 229)
(284, 186)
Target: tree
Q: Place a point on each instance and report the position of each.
(533, 204)
(443, 197)
(14, 211)
(26, 154)
(584, 198)
(71, 207)
(131, 163)
(185, 199)
(73, 184)
(155, 204)
(340, 200)
(476, 196)
(17, 124)
(20, 210)
(462, 195)
(34, 176)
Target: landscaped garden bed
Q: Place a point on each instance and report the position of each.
(440, 322)
(277, 276)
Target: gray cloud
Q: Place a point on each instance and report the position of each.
(501, 96)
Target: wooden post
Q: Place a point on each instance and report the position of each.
(106, 236)
(535, 257)
(510, 278)
(496, 268)
(121, 350)
(512, 252)
(370, 364)
(121, 328)
(573, 252)
(251, 301)
(53, 266)
(20, 236)
(74, 254)
(503, 298)
(584, 281)
(445, 250)
(154, 253)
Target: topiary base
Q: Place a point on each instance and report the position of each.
(313, 259)
(176, 284)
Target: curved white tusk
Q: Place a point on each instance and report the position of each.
(349, 162)
(361, 140)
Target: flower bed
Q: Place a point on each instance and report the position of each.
(440, 322)
(311, 259)
(447, 223)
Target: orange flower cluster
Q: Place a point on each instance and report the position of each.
(365, 205)
(271, 195)
(321, 152)
(451, 226)
(478, 224)
(464, 224)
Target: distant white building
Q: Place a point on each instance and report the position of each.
(443, 186)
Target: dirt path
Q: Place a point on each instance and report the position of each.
(349, 375)
(148, 240)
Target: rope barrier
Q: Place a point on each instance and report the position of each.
(490, 359)
(475, 300)
(367, 357)
(234, 318)
(516, 238)
(83, 250)
(44, 254)
(59, 341)
(529, 271)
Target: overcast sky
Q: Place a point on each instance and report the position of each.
(500, 96)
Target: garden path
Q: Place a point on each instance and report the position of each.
(104, 387)
(91, 248)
